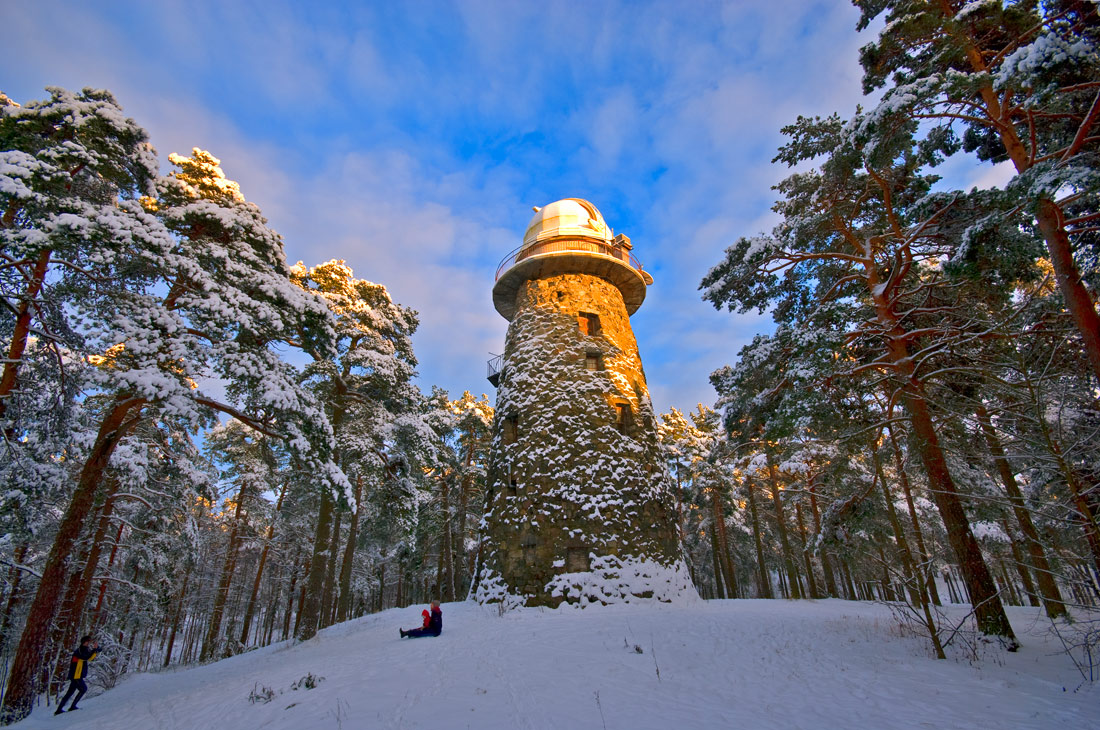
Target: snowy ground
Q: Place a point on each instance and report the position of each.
(723, 664)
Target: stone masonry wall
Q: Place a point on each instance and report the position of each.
(579, 505)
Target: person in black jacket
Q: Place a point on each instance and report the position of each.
(434, 627)
(78, 669)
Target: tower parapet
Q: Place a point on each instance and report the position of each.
(570, 236)
(579, 504)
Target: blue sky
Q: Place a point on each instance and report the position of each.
(412, 139)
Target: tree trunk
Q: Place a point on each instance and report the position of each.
(476, 577)
(22, 329)
(886, 586)
(290, 598)
(826, 562)
(73, 606)
(983, 591)
(447, 586)
(309, 615)
(343, 610)
(84, 585)
(97, 612)
(914, 580)
(462, 580)
(988, 610)
(719, 589)
(849, 582)
(1076, 297)
(1021, 565)
(328, 602)
(788, 558)
(810, 582)
(19, 697)
(928, 570)
(381, 584)
(176, 618)
(765, 579)
(723, 549)
(13, 594)
(213, 634)
(302, 598)
(1052, 597)
(248, 613)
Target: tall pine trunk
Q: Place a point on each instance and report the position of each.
(343, 609)
(15, 580)
(213, 634)
(722, 540)
(983, 591)
(327, 597)
(811, 583)
(75, 602)
(762, 567)
(927, 568)
(447, 586)
(1052, 597)
(309, 614)
(251, 609)
(462, 580)
(914, 579)
(176, 618)
(780, 521)
(97, 612)
(122, 416)
(826, 562)
(22, 329)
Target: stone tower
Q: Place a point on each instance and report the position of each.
(579, 507)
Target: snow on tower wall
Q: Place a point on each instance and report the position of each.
(579, 506)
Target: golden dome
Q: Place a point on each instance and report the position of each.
(568, 217)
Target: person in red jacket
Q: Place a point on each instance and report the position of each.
(78, 670)
(433, 624)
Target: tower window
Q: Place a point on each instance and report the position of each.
(589, 323)
(530, 546)
(576, 560)
(513, 487)
(593, 361)
(511, 429)
(624, 418)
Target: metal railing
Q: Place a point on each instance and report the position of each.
(493, 369)
(568, 244)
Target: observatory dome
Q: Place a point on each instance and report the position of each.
(568, 217)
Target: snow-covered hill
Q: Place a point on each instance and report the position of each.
(721, 664)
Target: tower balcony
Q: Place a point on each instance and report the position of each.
(493, 369)
(611, 261)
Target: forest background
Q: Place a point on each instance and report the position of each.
(923, 407)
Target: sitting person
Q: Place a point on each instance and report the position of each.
(433, 624)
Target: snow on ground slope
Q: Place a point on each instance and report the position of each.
(722, 664)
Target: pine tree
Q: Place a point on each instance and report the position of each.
(1019, 80)
(861, 233)
(202, 291)
(365, 383)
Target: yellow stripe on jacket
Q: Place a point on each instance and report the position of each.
(78, 673)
